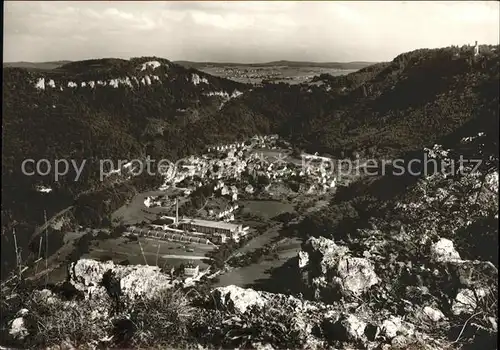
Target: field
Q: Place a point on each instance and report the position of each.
(135, 212)
(285, 74)
(270, 273)
(168, 253)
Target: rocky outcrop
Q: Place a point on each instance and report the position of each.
(86, 275)
(328, 268)
(235, 299)
(314, 325)
(444, 251)
(18, 328)
(466, 301)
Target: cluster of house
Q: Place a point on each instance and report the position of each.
(240, 160)
(228, 147)
(264, 140)
(156, 201)
(226, 191)
(226, 214)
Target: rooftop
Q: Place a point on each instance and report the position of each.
(207, 223)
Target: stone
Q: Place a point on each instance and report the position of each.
(355, 275)
(330, 267)
(18, 328)
(466, 301)
(400, 341)
(391, 327)
(303, 259)
(347, 328)
(237, 299)
(432, 314)
(46, 296)
(260, 346)
(444, 251)
(86, 276)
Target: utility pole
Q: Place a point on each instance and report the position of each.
(142, 252)
(18, 257)
(39, 254)
(157, 252)
(46, 248)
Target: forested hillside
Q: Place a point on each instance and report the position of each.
(92, 110)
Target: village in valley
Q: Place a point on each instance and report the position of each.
(231, 194)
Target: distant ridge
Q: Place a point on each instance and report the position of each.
(36, 65)
(296, 64)
(192, 64)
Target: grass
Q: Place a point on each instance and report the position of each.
(267, 209)
(51, 324)
(162, 320)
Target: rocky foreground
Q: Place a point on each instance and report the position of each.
(362, 306)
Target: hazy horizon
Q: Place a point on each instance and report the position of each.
(242, 32)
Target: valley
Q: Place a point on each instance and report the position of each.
(266, 201)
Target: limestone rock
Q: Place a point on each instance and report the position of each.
(444, 251)
(466, 301)
(354, 327)
(330, 266)
(432, 314)
(18, 328)
(356, 275)
(391, 326)
(347, 327)
(86, 275)
(394, 326)
(260, 346)
(238, 299)
(303, 259)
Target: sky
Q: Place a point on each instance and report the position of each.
(242, 31)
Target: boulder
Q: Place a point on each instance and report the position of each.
(394, 326)
(444, 251)
(236, 299)
(18, 328)
(45, 295)
(86, 275)
(326, 265)
(354, 327)
(347, 327)
(303, 259)
(430, 314)
(391, 326)
(466, 301)
(401, 342)
(260, 346)
(355, 276)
